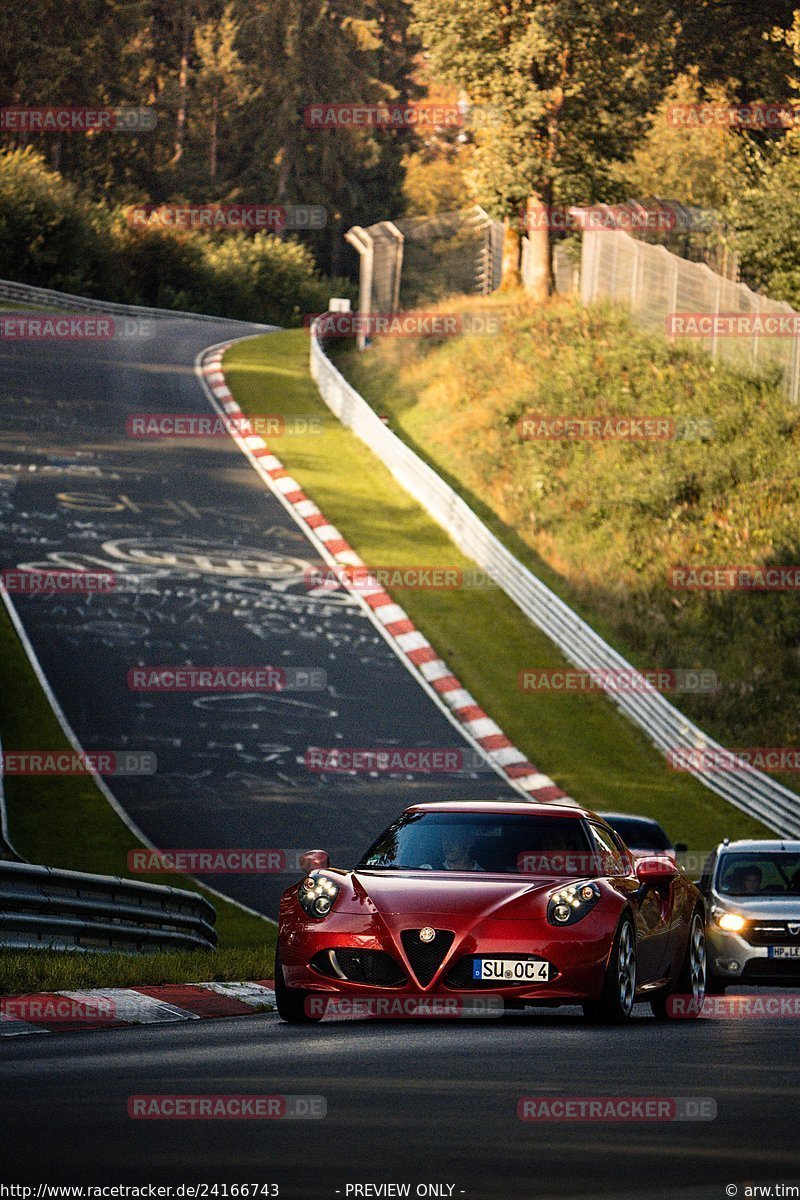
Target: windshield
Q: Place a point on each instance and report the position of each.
(507, 843)
(768, 873)
(640, 835)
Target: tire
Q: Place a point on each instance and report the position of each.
(619, 987)
(290, 1002)
(691, 979)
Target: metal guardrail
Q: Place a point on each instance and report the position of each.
(25, 293)
(666, 727)
(48, 909)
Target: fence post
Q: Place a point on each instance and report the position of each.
(794, 379)
(612, 287)
(589, 264)
(363, 243)
(637, 253)
(673, 303)
(717, 309)
(755, 342)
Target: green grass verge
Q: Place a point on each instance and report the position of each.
(66, 822)
(26, 971)
(593, 752)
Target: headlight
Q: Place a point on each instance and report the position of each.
(316, 895)
(729, 921)
(572, 903)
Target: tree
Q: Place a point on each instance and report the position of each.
(433, 181)
(573, 82)
(728, 41)
(306, 52)
(767, 215)
(220, 84)
(707, 165)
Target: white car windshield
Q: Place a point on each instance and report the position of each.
(773, 873)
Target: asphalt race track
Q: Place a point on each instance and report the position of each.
(209, 570)
(410, 1102)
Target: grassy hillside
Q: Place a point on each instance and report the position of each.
(602, 522)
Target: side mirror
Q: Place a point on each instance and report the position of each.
(652, 870)
(681, 847)
(313, 860)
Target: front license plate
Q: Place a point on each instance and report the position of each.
(784, 952)
(511, 970)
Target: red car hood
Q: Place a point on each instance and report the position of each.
(467, 896)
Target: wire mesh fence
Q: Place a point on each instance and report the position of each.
(419, 260)
(688, 299)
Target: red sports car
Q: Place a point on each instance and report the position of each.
(538, 904)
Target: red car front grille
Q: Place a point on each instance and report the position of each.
(426, 957)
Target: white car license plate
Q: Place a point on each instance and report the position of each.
(511, 970)
(784, 952)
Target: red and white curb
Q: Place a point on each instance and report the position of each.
(113, 1008)
(394, 622)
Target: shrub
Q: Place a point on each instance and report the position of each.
(51, 237)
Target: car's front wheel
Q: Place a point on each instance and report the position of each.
(619, 989)
(291, 1002)
(690, 983)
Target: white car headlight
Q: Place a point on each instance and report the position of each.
(731, 922)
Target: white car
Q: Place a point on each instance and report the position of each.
(752, 893)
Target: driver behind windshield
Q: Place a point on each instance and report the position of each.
(750, 881)
(457, 843)
(745, 881)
